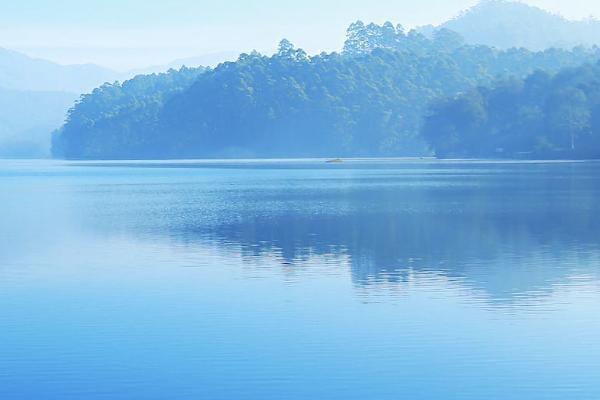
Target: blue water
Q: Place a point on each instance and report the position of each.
(299, 280)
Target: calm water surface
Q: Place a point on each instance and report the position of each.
(299, 280)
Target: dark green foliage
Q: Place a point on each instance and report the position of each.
(542, 116)
(120, 120)
(367, 101)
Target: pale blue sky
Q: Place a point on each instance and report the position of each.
(135, 33)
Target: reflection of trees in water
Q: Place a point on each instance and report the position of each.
(507, 235)
(506, 229)
(502, 259)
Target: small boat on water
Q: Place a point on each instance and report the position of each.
(335, 161)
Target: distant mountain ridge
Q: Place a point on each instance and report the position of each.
(21, 72)
(505, 24)
(35, 95)
(209, 60)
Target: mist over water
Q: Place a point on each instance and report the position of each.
(220, 280)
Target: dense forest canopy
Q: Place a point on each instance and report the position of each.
(363, 39)
(367, 101)
(137, 101)
(542, 116)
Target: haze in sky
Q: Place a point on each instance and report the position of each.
(125, 34)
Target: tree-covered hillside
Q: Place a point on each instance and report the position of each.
(367, 101)
(119, 117)
(542, 116)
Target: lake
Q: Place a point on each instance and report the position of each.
(370, 279)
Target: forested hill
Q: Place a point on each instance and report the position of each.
(119, 114)
(367, 101)
(506, 24)
(542, 116)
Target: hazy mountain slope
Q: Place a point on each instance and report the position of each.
(20, 72)
(27, 119)
(35, 95)
(506, 24)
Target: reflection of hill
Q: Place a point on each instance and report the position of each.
(500, 254)
(507, 229)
